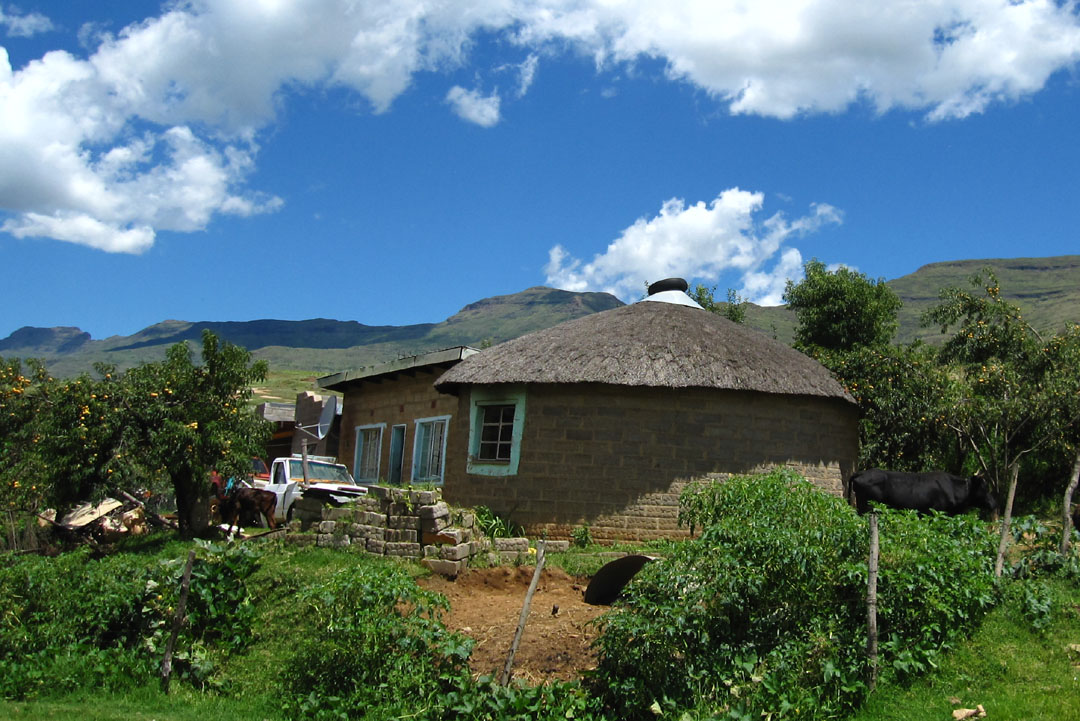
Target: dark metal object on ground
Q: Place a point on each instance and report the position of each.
(610, 580)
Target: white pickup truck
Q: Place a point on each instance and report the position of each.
(327, 481)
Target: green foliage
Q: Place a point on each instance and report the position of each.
(1013, 394)
(900, 390)
(161, 425)
(764, 613)
(75, 622)
(935, 584)
(841, 309)
(734, 309)
(373, 646)
(581, 536)
(486, 700)
(1039, 553)
(760, 613)
(495, 526)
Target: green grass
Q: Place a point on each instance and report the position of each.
(282, 386)
(149, 704)
(1014, 671)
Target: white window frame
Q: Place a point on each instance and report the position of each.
(417, 437)
(358, 452)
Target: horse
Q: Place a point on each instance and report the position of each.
(235, 499)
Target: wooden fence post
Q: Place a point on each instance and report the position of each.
(871, 602)
(524, 612)
(178, 619)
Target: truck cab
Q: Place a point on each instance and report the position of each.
(328, 481)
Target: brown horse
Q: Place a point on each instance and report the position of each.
(241, 499)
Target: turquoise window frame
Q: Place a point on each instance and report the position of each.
(495, 396)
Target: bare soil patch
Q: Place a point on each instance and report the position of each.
(485, 604)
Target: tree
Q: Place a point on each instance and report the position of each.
(186, 420)
(841, 309)
(734, 309)
(1013, 393)
(899, 390)
(163, 425)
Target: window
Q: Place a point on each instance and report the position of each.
(368, 452)
(429, 449)
(496, 424)
(496, 433)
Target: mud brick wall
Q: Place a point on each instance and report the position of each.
(618, 457)
(395, 401)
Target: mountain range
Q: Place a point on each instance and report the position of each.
(1047, 290)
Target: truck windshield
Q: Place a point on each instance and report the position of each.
(320, 472)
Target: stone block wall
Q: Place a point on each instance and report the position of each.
(394, 522)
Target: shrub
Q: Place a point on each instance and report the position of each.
(581, 536)
(374, 647)
(78, 622)
(764, 614)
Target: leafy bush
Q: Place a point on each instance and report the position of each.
(486, 700)
(495, 526)
(78, 622)
(764, 614)
(581, 536)
(1040, 553)
(935, 582)
(374, 647)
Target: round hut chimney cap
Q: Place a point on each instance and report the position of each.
(668, 284)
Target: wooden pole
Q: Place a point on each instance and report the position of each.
(1006, 521)
(524, 612)
(178, 619)
(871, 603)
(303, 460)
(1066, 520)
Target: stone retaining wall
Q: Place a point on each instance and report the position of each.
(405, 523)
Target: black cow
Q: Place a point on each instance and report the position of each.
(922, 492)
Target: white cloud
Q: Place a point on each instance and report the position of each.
(696, 241)
(472, 106)
(528, 74)
(23, 25)
(94, 136)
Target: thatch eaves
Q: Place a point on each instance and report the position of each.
(649, 344)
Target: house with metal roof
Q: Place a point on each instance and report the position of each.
(394, 424)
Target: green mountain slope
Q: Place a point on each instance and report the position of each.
(318, 345)
(1047, 289)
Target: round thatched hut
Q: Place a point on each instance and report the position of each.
(603, 419)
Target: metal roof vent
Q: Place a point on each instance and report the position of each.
(671, 290)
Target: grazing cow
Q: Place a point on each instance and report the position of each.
(234, 500)
(922, 492)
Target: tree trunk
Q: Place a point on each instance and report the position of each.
(1014, 473)
(1066, 520)
(192, 506)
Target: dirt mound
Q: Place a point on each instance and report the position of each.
(486, 605)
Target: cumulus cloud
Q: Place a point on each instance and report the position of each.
(699, 241)
(23, 25)
(96, 136)
(470, 105)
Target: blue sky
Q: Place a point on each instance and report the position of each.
(390, 162)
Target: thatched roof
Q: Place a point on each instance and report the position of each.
(649, 344)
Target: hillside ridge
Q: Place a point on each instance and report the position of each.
(1047, 290)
